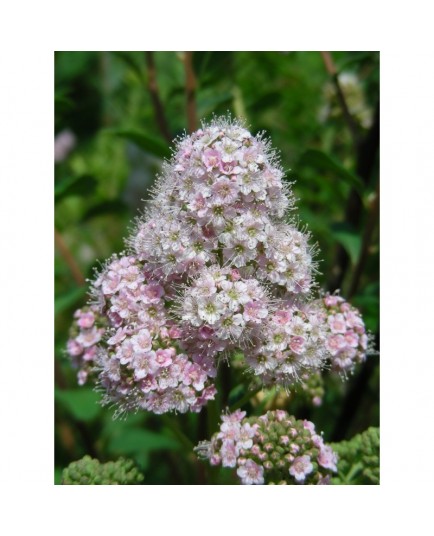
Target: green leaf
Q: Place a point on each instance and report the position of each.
(132, 441)
(64, 301)
(57, 475)
(83, 403)
(83, 185)
(349, 239)
(116, 207)
(143, 140)
(132, 62)
(236, 394)
(322, 161)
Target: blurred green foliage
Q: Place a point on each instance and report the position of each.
(359, 459)
(103, 99)
(88, 471)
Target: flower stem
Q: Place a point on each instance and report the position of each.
(249, 395)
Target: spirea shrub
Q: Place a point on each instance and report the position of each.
(216, 266)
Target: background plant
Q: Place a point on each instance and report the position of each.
(122, 109)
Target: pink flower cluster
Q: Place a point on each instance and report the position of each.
(86, 333)
(274, 448)
(347, 341)
(212, 267)
(141, 360)
(290, 344)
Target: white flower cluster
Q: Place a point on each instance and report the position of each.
(221, 200)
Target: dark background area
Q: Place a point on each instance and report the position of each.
(121, 109)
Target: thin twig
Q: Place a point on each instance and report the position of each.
(174, 428)
(369, 229)
(190, 90)
(366, 159)
(332, 71)
(155, 97)
(69, 259)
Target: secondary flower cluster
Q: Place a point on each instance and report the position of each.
(347, 341)
(212, 267)
(86, 332)
(291, 343)
(141, 360)
(272, 449)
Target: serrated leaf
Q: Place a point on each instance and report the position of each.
(143, 140)
(83, 403)
(323, 161)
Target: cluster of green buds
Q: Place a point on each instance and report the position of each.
(274, 448)
(89, 471)
(359, 459)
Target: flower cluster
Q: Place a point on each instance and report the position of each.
(290, 344)
(85, 334)
(347, 340)
(223, 306)
(91, 472)
(140, 356)
(212, 267)
(221, 200)
(274, 448)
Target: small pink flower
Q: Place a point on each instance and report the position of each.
(118, 337)
(142, 342)
(89, 337)
(175, 332)
(281, 415)
(255, 311)
(74, 348)
(205, 333)
(229, 454)
(297, 344)
(163, 358)
(337, 323)
(86, 320)
(81, 377)
(251, 473)
(152, 293)
(89, 354)
(317, 401)
(331, 301)
(352, 339)
(308, 425)
(148, 384)
(335, 343)
(284, 440)
(111, 282)
(235, 275)
(282, 317)
(327, 458)
(300, 468)
(211, 159)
